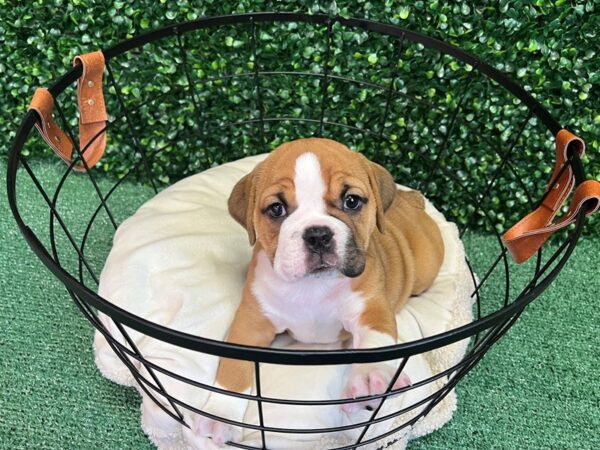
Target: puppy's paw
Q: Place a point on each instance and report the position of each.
(219, 432)
(228, 407)
(370, 379)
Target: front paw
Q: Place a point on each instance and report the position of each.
(370, 379)
(231, 408)
(219, 432)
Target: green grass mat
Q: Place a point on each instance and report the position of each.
(537, 388)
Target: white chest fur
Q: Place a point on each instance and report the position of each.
(313, 309)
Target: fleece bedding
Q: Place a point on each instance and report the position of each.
(180, 261)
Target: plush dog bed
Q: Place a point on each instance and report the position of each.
(180, 261)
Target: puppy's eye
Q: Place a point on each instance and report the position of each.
(352, 202)
(276, 210)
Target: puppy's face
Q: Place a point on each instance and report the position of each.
(313, 204)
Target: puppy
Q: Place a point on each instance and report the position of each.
(338, 250)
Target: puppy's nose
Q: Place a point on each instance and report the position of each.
(318, 238)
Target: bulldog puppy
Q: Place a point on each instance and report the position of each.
(338, 250)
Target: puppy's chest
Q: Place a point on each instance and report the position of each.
(314, 310)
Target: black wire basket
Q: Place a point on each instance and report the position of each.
(261, 122)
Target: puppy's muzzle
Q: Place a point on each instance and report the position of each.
(318, 239)
(320, 249)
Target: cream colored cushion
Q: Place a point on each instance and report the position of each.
(180, 261)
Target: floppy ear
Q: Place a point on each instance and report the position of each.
(383, 186)
(242, 202)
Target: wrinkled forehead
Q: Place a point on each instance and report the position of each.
(308, 166)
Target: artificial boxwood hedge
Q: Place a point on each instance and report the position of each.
(550, 48)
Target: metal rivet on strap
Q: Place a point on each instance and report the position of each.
(91, 102)
(90, 83)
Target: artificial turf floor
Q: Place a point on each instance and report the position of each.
(538, 387)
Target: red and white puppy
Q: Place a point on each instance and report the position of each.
(337, 252)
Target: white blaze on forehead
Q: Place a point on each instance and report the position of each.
(290, 261)
(308, 182)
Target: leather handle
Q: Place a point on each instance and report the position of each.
(92, 110)
(525, 237)
(92, 115)
(43, 104)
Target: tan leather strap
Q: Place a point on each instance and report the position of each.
(43, 103)
(92, 115)
(92, 110)
(525, 237)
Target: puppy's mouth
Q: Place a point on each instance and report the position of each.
(318, 263)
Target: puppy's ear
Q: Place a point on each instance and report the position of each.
(242, 202)
(384, 188)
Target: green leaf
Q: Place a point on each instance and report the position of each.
(404, 12)
(533, 45)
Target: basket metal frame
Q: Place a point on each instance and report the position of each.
(89, 302)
